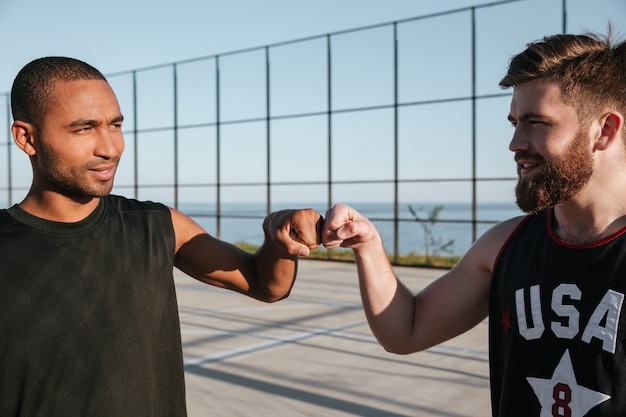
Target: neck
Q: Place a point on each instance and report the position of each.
(59, 208)
(587, 224)
(598, 210)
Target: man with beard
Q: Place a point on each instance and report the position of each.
(88, 316)
(553, 282)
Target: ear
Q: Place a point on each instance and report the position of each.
(24, 136)
(612, 124)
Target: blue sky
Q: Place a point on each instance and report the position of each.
(121, 35)
(118, 35)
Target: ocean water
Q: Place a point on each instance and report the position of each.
(242, 222)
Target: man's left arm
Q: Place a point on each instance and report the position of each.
(268, 274)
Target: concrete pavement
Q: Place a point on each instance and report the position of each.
(314, 355)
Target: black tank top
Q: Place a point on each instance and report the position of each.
(88, 316)
(556, 325)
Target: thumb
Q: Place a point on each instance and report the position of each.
(304, 251)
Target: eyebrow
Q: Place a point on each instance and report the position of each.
(527, 116)
(91, 122)
(83, 122)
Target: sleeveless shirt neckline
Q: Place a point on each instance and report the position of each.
(59, 228)
(559, 241)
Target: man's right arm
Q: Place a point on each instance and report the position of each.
(401, 321)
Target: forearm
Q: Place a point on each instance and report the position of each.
(288, 234)
(388, 304)
(275, 272)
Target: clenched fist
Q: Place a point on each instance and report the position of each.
(295, 231)
(347, 228)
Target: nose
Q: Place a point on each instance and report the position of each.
(109, 144)
(518, 143)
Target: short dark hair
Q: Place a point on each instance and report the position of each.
(590, 68)
(32, 87)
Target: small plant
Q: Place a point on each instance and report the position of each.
(348, 256)
(433, 246)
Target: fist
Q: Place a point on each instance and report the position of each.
(298, 232)
(347, 228)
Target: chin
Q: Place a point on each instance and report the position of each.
(88, 193)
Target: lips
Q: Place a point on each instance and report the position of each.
(103, 173)
(526, 164)
(526, 168)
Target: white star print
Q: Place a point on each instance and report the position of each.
(561, 395)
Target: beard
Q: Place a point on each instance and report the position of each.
(71, 180)
(561, 177)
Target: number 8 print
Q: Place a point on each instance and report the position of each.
(562, 395)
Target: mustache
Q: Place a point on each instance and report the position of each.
(527, 156)
(102, 163)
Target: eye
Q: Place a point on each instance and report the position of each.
(116, 123)
(512, 120)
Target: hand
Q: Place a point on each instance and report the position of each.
(346, 227)
(298, 232)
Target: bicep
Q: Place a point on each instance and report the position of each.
(459, 300)
(208, 259)
(451, 305)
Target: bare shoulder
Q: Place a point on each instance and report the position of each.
(464, 290)
(483, 253)
(185, 228)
